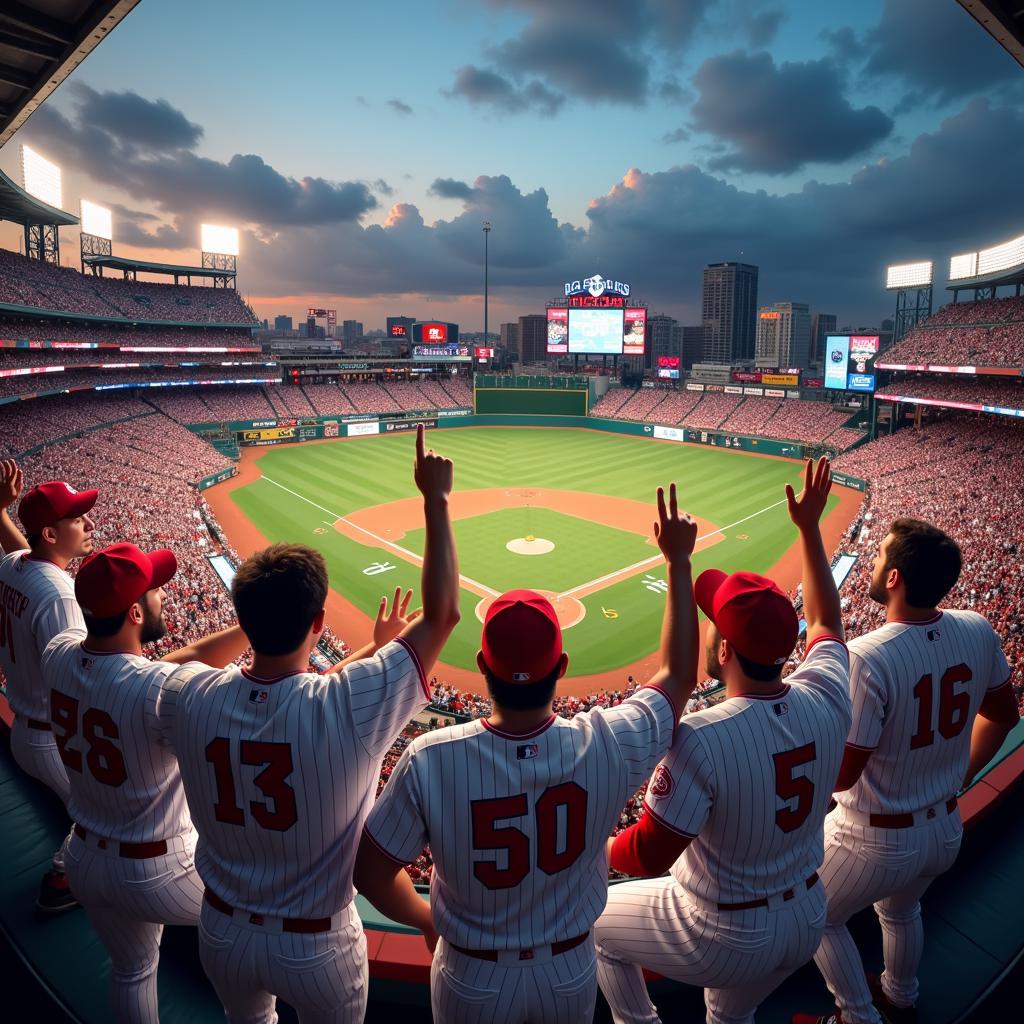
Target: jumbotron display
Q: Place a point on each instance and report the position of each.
(600, 332)
(850, 362)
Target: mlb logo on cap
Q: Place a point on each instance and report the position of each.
(520, 677)
(522, 640)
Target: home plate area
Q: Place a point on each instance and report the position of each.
(570, 612)
(530, 545)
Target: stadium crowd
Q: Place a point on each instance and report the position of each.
(975, 390)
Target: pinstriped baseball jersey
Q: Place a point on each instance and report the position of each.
(517, 823)
(917, 688)
(280, 773)
(750, 781)
(124, 777)
(37, 601)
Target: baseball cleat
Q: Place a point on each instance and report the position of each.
(890, 1013)
(55, 895)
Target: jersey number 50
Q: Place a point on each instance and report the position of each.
(569, 797)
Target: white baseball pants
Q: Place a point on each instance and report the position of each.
(128, 902)
(737, 956)
(36, 754)
(890, 868)
(546, 989)
(324, 976)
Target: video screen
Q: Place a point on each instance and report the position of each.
(634, 326)
(850, 362)
(668, 367)
(597, 331)
(558, 331)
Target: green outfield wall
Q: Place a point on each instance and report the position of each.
(522, 401)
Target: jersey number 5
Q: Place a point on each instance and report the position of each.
(102, 757)
(516, 844)
(954, 706)
(270, 782)
(793, 787)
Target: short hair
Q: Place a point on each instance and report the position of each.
(34, 539)
(522, 696)
(928, 560)
(278, 592)
(757, 670)
(109, 625)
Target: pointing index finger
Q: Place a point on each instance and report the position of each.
(419, 442)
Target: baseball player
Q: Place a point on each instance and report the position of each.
(932, 703)
(735, 810)
(37, 601)
(517, 810)
(129, 857)
(280, 766)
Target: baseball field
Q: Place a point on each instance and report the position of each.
(566, 512)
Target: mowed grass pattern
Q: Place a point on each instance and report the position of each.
(722, 487)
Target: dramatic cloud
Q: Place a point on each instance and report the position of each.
(450, 188)
(779, 118)
(399, 107)
(678, 135)
(179, 181)
(762, 28)
(487, 88)
(153, 124)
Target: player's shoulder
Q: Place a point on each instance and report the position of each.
(9, 560)
(65, 644)
(428, 744)
(966, 618)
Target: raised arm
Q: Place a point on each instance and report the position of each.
(680, 642)
(821, 597)
(217, 650)
(386, 627)
(439, 586)
(11, 538)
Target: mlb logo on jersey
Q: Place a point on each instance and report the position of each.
(780, 709)
(934, 635)
(525, 751)
(259, 696)
(87, 663)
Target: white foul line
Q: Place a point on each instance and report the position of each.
(659, 558)
(418, 559)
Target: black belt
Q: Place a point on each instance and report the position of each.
(562, 946)
(133, 851)
(906, 820)
(763, 901)
(295, 925)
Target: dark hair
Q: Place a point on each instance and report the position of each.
(757, 671)
(34, 539)
(278, 592)
(522, 696)
(928, 560)
(110, 625)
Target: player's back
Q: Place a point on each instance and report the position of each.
(517, 824)
(37, 601)
(751, 780)
(124, 778)
(917, 688)
(280, 773)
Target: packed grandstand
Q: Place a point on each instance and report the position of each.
(958, 469)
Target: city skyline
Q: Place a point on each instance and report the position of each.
(639, 141)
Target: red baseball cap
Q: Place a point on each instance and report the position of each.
(751, 613)
(112, 580)
(522, 640)
(47, 504)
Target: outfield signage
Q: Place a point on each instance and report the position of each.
(446, 413)
(669, 434)
(216, 478)
(753, 391)
(362, 429)
(408, 425)
(694, 387)
(730, 389)
(778, 393)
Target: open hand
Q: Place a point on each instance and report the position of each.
(390, 624)
(10, 482)
(676, 534)
(806, 509)
(433, 473)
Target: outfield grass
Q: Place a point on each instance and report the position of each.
(718, 486)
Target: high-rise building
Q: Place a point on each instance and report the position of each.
(283, 323)
(508, 335)
(664, 338)
(692, 348)
(730, 312)
(822, 325)
(783, 335)
(351, 331)
(533, 338)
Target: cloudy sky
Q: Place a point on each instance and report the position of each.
(359, 147)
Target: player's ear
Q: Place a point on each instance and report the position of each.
(136, 614)
(480, 663)
(893, 579)
(318, 621)
(563, 664)
(49, 534)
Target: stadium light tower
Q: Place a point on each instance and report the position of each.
(487, 235)
(912, 283)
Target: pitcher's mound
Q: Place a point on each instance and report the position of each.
(569, 610)
(530, 546)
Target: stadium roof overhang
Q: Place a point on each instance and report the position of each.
(1015, 275)
(41, 43)
(18, 206)
(1003, 20)
(148, 267)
